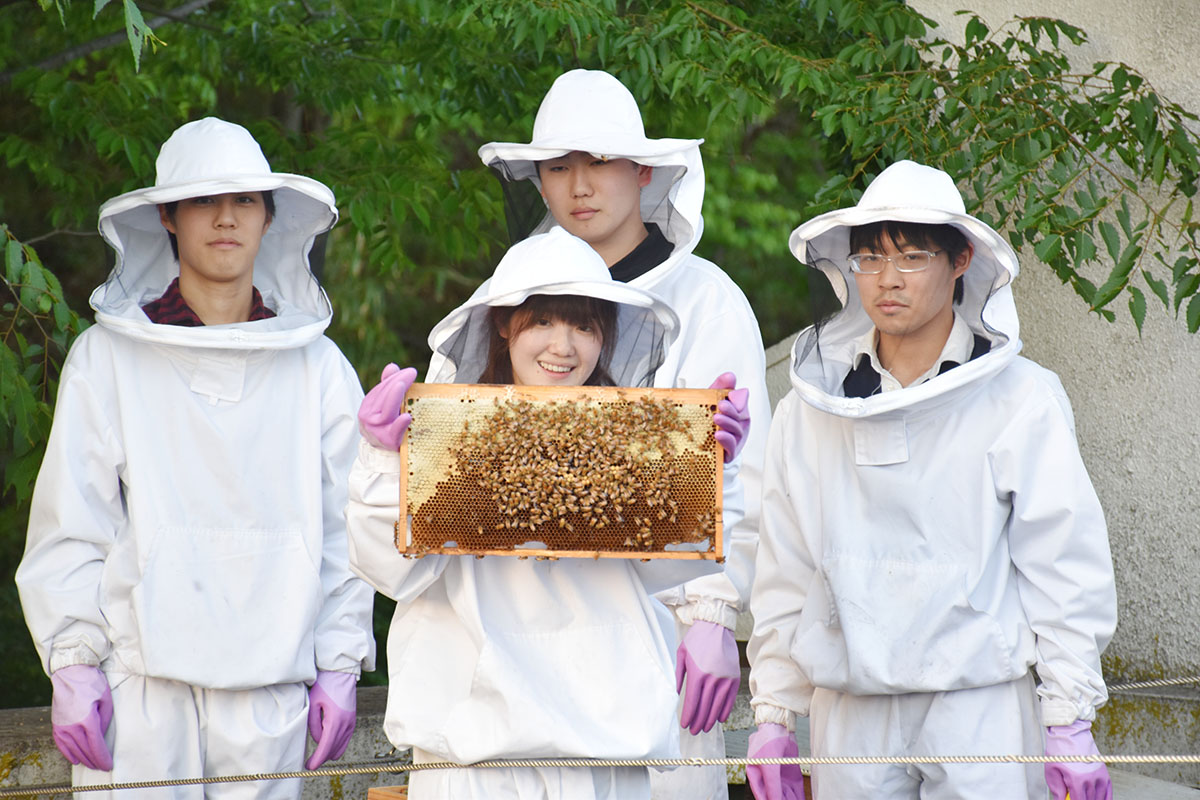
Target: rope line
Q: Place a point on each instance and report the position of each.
(400, 766)
(1125, 687)
(397, 766)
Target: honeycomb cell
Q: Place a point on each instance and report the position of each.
(561, 472)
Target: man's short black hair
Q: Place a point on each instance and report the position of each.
(918, 234)
(268, 197)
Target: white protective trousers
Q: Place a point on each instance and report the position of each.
(693, 783)
(992, 720)
(164, 729)
(572, 783)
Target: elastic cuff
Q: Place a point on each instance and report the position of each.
(376, 459)
(355, 671)
(1060, 712)
(712, 610)
(70, 656)
(765, 713)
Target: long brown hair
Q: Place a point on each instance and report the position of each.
(572, 309)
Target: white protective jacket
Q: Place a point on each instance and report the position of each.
(591, 111)
(938, 537)
(502, 657)
(187, 521)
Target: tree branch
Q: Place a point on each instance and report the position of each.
(79, 51)
(60, 232)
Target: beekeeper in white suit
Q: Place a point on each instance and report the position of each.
(185, 577)
(637, 202)
(500, 657)
(929, 530)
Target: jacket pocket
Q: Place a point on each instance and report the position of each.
(895, 626)
(228, 608)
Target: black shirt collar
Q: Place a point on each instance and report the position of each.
(652, 251)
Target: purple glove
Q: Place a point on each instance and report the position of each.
(774, 781)
(708, 656)
(732, 418)
(80, 710)
(1081, 780)
(379, 417)
(331, 713)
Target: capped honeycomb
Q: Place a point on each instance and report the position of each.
(553, 472)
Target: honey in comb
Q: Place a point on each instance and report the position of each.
(635, 475)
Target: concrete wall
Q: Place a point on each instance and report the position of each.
(1134, 400)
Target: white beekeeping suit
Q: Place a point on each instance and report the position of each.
(922, 548)
(187, 532)
(591, 111)
(501, 657)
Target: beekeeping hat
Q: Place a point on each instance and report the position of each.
(207, 157)
(211, 156)
(903, 192)
(907, 192)
(557, 263)
(591, 111)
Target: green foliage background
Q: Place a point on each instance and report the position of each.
(800, 104)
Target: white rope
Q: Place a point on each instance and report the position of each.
(1125, 687)
(546, 763)
(399, 766)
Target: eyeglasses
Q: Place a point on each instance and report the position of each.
(908, 261)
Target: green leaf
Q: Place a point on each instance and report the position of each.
(1112, 239)
(1049, 248)
(1193, 315)
(1185, 288)
(1157, 286)
(98, 7)
(13, 261)
(1123, 217)
(976, 31)
(1137, 307)
(136, 30)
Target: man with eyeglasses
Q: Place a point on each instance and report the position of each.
(929, 531)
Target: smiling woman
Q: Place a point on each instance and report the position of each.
(552, 340)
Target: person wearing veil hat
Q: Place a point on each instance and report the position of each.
(637, 201)
(507, 658)
(185, 576)
(929, 530)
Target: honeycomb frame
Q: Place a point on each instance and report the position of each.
(656, 495)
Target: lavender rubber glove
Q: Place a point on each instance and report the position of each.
(774, 781)
(1082, 780)
(379, 417)
(708, 656)
(331, 716)
(80, 710)
(733, 416)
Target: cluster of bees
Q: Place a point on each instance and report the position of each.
(574, 476)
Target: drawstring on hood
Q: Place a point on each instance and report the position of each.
(904, 192)
(203, 158)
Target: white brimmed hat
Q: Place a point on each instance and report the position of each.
(590, 111)
(907, 192)
(202, 158)
(556, 263)
(211, 156)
